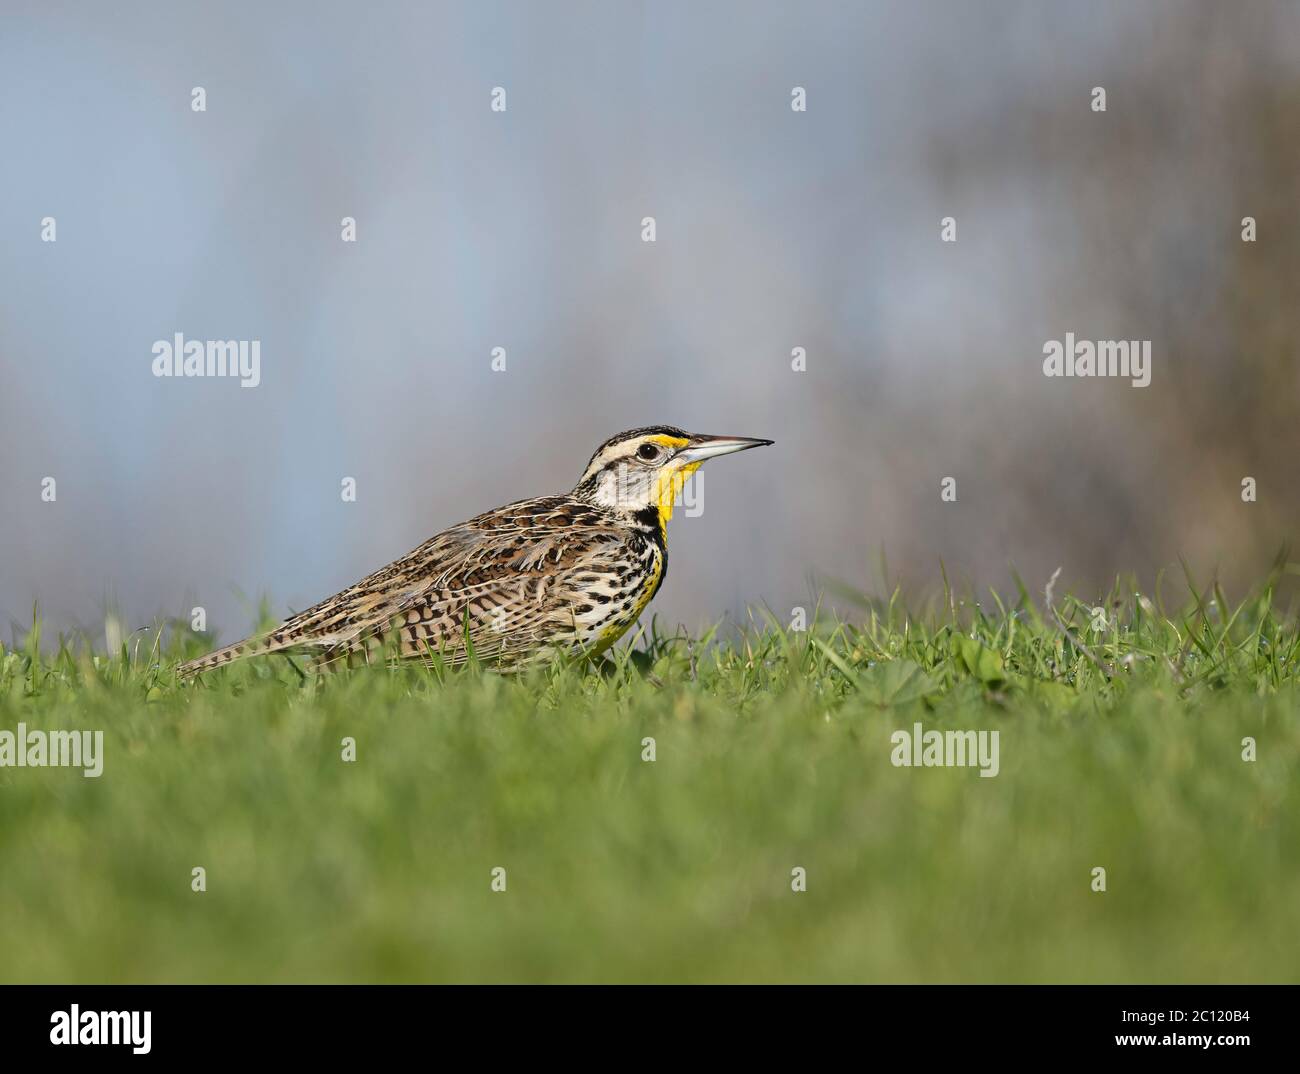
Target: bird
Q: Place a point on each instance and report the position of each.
(564, 575)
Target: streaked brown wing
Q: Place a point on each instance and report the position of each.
(508, 578)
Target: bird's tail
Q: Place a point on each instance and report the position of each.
(223, 656)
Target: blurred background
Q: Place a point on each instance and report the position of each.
(522, 230)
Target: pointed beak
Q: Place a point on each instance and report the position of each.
(706, 447)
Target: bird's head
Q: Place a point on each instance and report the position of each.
(646, 468)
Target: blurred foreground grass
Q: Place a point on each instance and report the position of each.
(1120, 746)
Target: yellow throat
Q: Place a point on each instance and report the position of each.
(671, 480)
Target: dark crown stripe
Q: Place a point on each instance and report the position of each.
(633, 434)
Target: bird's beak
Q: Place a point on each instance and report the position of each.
(705, 447)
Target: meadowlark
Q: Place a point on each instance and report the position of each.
(564, 574)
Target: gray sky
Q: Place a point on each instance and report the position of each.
(522, 229)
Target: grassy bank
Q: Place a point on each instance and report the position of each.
(1121, 747)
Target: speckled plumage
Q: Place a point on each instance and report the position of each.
(568, 573)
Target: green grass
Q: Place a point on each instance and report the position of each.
(773, 751)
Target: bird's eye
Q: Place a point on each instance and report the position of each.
(648, 452)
